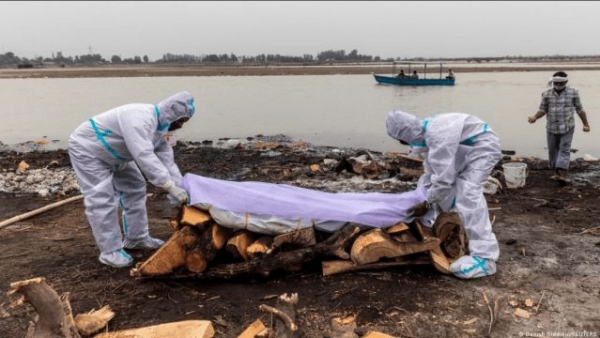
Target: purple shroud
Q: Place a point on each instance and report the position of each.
(281, 200)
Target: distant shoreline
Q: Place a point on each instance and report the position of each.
(153, 70)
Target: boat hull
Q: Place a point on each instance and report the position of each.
(413, 82)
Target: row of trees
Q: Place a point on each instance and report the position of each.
(325, 56)
(10, 59)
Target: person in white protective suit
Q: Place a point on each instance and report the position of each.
(109, 153)
(460, 151)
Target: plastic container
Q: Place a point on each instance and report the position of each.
(515, 174)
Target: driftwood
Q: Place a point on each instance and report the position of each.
(55, 318)
(54, 314)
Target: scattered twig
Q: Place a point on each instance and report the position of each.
(542, 199)
(593, 230)
(59, 239)
(284, 317)
(487, 302)
(171, 299)
(13, 256)
(539, 302)
(493, 312)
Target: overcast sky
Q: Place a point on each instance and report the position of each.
(385, 29)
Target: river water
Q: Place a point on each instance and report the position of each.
(333, 110)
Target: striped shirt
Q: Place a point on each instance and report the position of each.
(560, 109)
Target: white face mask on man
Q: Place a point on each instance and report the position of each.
(559, 87)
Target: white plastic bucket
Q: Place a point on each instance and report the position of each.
(515, 174)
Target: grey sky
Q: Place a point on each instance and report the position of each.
(385, 29)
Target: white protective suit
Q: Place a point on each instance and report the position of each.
(107, 153)
(461, 152)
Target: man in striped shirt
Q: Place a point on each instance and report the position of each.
(559, 104)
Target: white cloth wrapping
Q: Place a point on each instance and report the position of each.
(279, 207)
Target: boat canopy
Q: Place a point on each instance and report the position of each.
(412, 65)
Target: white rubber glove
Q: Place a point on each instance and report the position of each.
(180, 194)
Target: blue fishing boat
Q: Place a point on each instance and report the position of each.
(413, 78)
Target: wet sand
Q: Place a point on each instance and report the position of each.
(149, 70)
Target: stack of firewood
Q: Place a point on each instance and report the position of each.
(200, 247)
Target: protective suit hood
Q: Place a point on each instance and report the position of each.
(175, 107)
(404, 126)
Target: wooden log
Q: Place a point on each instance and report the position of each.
(397, 228)
(453, 240)
(376, 244)
(438, 258)
(376, 334)
(211, 241)
(270, 262)
(195, 261)
(259, 247)
(174, 223)
(192, 216)
(301, 237)
(238, 244)
(253, 330)
(170, 256)
(404, 237)
(183, 329)
(343, 327)
(94, 321)
(343, 266)
(54, 313)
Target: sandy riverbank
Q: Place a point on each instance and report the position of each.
(149, 70)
